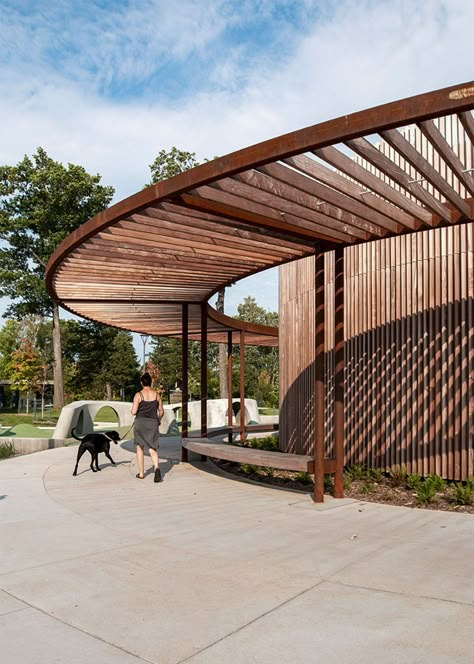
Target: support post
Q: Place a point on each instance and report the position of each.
(204, 370)
(242, 385)
(339, 372)
(319, 391)
(230, 411)
(184, 379)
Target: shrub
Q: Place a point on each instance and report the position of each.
(413, 481)
(462, 494)
(7, 449)
(426, 492)
(303, 477)
(249, 469)
(269, 443)
(375, 474)
(367, 487)
(398, 475)
(437, 481)
(328, 484)
(357, 472)
(347, 481)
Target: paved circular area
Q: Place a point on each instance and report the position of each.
(103, 567)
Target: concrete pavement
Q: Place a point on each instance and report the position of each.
(104, 567)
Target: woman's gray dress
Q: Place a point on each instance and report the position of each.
(147, 424)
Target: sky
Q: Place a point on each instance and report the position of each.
(108, 84)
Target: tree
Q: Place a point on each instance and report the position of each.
(10, 341)
(101, 361)
(25, 370)
(261, 362)
(168, 164)
(41, 202)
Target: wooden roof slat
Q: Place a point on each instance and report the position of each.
(329, 214)
(252, 186)
(223, 196)
(337, 181)
(197, 200)
(232, 228)
(369, 152)
(194, 247)
(446, 152)
(375, 186)
(352, 211)
(399, 143)
(165, 253)
(161, 226)
(111, 256)
(467, 121)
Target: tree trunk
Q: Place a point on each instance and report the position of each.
(108, 391)
(58, 401)
(222, 361)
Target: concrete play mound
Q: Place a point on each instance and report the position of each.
(27, 438)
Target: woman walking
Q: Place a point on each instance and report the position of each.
(148, 409)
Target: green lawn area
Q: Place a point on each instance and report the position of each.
(268, 411)
(12, 418)
(25, 430)
(106, 414)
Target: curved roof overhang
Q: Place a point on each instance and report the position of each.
(181, 240)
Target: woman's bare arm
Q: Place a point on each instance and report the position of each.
(136, 401)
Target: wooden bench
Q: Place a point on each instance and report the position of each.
(207, 447)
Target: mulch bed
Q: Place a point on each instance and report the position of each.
(384, 490)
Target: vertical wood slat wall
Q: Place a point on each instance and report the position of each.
(409, 380)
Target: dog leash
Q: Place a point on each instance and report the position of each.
(126, 434)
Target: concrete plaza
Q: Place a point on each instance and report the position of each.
(105, 568)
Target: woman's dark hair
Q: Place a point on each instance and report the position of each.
(145, 380)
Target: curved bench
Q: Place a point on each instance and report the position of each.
(206, 447)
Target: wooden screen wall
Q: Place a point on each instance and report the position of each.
(409, 331)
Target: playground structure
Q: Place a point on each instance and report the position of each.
(287, 198)
(80, 415)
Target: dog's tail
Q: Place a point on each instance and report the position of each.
(74, 435)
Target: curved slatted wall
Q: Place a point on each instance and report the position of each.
(409, 331)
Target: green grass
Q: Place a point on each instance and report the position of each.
(268, 411)
(106, 414)
(25, 430)
(13, 418)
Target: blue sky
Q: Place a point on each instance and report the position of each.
(109, 84)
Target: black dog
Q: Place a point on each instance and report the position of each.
(95, 443)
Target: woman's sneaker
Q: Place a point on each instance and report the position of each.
(157, 475)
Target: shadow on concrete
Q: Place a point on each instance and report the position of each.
(102, 466)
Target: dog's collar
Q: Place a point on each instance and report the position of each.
(114, 441)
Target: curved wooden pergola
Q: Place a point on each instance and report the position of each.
(150, 263)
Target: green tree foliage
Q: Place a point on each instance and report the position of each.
(261, 362)
(170, 163)
(25, 370)
(100, 361)
(34, 332)
(10, 340)
(41, 202)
